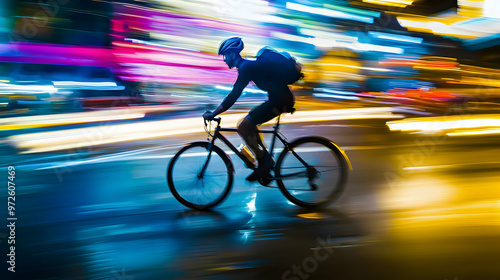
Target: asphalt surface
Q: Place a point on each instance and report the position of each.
(413, 208)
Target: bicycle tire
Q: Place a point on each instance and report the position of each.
(319, 148)
(219, 161)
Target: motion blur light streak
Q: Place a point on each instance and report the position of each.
(137, 75)
(70, 118)
(95, 136)
(312, 216)
(492, 8)
(161, 47)
(445, 167)
(329, 93)
(356, 67)
(136, 155)
(328, 12)
(327, 43)
(244, 91)
(352, 10)
(423, 64)
(328, 35)
(475, 132)
(335, 96)
(461, 219)
(395, 3)
(248, 10)
(88, 85)
(7, 88)
(477, 81)
(436, 27)
(480, 207)
(417, 192)
(474, 19)
(447, 123)
(73, 83)
(394, 37)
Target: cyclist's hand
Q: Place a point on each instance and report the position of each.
(208, 116)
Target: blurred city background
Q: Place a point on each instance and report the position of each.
(97, 96)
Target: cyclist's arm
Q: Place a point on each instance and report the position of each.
(235, 93)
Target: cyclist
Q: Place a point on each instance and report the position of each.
(266, 75)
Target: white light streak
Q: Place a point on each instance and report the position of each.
(395, 37)
(326, 43)
(328, 12)
(119, 133)
(6, 88)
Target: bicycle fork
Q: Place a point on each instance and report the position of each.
(202, 172)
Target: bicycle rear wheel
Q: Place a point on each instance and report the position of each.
(198, 190)
(311, 172)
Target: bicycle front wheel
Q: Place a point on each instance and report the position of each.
(198, 178)
(311, 172)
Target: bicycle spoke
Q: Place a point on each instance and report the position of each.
(293, 175)
(209, 192)
(192, 192)
(313, 162)
(331, 169)
(197, 190)
(217, 175)
(292, 167)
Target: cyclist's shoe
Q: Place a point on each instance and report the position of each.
(267, 162)
(260, 175)
(265, 165)
(264, 180)
(254, 176)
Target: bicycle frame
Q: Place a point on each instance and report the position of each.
(274, 131)
(329, 171)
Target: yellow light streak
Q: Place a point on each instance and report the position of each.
(477, 81)
(394, 3)
(475, 132)
(354, 67)
(440, 124)
(416, 193)
(478, 70)
(313, 216)
(438, 27)
(107, 134)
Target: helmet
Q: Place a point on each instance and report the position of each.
(234, 44)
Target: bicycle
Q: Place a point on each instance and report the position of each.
(204, 167)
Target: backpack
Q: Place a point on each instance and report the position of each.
(289, 68)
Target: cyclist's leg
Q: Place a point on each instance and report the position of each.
(280, 101)
(250, 135)
(247, 129)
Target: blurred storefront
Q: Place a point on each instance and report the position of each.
(159, 51)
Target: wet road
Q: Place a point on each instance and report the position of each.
(413, 208)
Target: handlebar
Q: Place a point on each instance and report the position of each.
(216, 119)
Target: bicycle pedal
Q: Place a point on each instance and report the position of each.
(264, 181)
